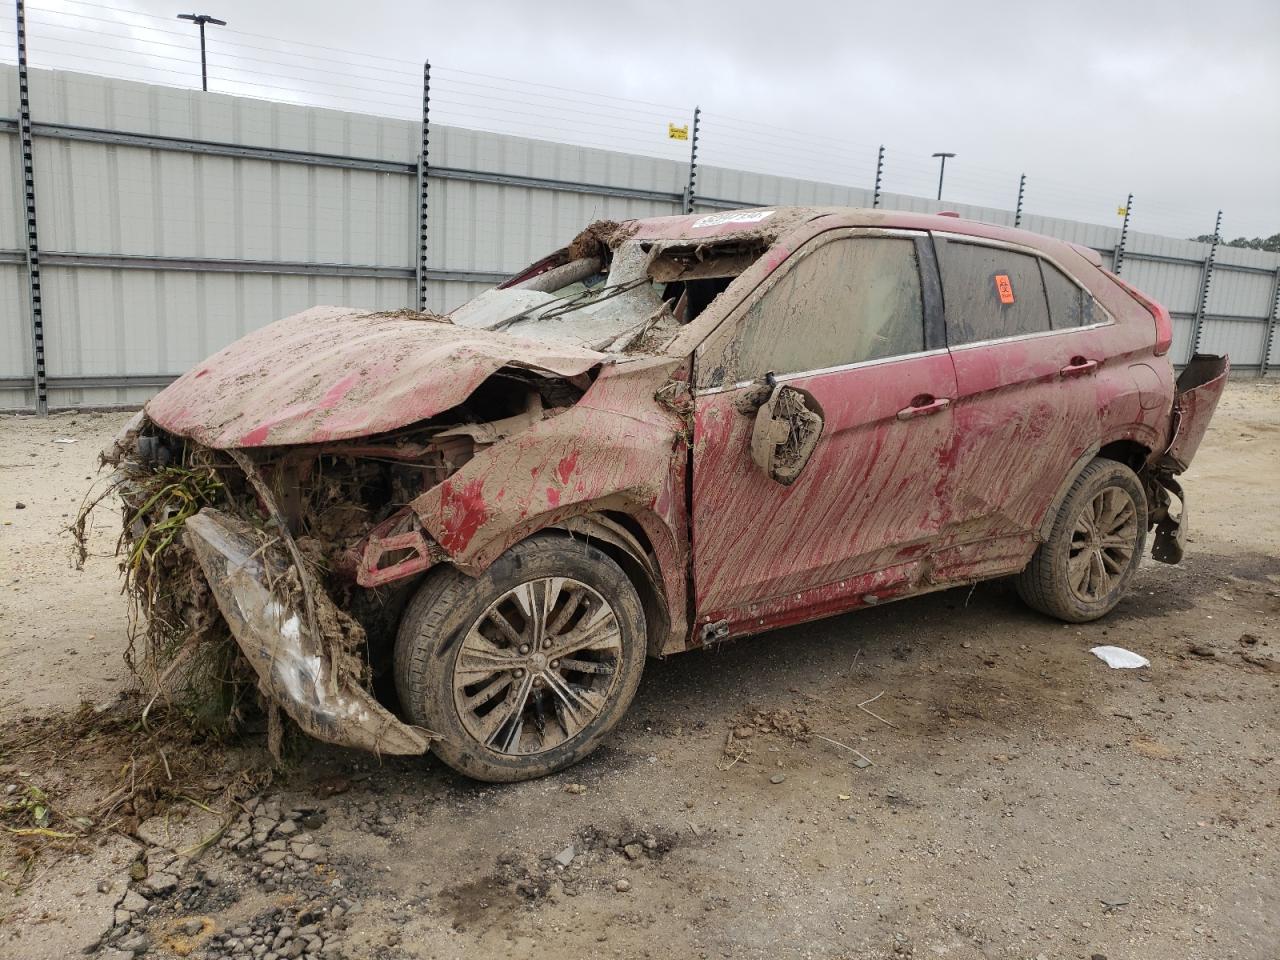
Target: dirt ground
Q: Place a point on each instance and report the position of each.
(1022, 800)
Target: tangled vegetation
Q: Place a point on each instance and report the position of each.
(179, 645)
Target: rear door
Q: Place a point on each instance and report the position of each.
(1027, 344)
(843, 321)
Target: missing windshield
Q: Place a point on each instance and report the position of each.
(612, 298)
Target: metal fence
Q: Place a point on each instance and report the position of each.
(143, 227)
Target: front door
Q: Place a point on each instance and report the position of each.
(851, 320)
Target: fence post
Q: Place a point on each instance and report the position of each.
(421, 272)
(1117, 258)
(1022, 188)
(39, 374)
(875, 196)
(693, 162)
(1272, 322)
(1206, 279)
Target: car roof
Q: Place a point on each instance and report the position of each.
(772, 223)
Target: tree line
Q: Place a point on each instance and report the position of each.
(1271, 243)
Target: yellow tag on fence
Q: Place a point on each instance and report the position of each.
(677, 133)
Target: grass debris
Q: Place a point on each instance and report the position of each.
(66, 779)
(179, 645)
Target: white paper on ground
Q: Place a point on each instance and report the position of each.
(1120, 658)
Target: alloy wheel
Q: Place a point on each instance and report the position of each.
(537, 666)
(1102, 544)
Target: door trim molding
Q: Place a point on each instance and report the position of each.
(1039, 334)
(821, 371)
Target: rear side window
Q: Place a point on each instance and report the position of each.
(1066, 300)
(850, 300)
(991, 293)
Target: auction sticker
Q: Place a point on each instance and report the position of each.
(718, 219)
(1004, 288)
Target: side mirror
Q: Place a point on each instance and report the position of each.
(786, 432)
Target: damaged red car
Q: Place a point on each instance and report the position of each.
(466, 533)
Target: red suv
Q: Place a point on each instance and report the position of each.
(671, 432)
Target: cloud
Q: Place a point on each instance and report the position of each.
(1171, 100)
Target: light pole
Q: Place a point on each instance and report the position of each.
(200, 19)
(942, 168)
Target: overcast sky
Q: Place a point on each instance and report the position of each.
(1176, 101)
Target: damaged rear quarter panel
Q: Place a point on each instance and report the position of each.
(617, 449)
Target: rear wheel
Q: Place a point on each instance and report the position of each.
(1082, 571)
(525, 669)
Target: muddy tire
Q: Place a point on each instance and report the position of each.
(1081, 572)
(525, 669)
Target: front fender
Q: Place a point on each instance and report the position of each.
(590, 459)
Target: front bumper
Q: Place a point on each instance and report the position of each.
(283, 639)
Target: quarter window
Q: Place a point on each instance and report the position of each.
(990, 293)
(1066, 300)
(847, 301)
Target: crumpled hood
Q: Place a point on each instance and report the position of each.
(333, 373)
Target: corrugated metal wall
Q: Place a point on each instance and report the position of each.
(15, 330)
(109, 323)
(224, 243)
(498, 228)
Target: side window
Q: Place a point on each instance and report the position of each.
(1092, 313)
(849, 300)
(990, 293)
(1066, 300)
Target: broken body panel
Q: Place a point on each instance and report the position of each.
(331, 374)
(745, 505)
(1198, 390)
(286, 647)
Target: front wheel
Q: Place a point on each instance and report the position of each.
(1082, 571)
(525, 669)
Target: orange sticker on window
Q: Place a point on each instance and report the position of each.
(1004, 288)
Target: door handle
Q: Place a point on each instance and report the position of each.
(1078, 367)
(923, 406)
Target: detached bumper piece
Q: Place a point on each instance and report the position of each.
(1196, 396)
(280, 639)
(1171, 529)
